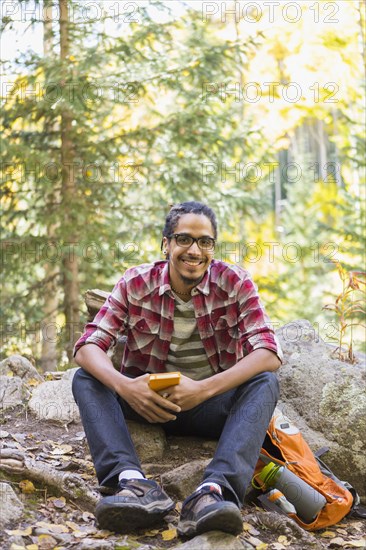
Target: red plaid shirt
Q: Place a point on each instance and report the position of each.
(230, 318)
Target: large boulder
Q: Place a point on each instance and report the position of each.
(326, 398)
(16, 375)
(21, 367)
(53, 400)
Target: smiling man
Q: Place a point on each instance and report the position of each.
(202, 317)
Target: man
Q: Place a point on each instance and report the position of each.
(202, 317)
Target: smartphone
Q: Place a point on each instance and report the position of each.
(163, 380)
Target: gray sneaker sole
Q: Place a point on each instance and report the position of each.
(227, 518)
(127, 517)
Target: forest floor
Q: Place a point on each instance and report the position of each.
(51, 521)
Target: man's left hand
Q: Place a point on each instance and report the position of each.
(187, 394)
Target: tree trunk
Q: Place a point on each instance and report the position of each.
(51, 298)
(70, 257)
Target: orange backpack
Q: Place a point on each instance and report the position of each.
(285, 445)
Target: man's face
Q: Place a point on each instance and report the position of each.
(188, 265)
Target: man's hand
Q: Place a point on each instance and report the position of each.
(187, 394)
(146, 402)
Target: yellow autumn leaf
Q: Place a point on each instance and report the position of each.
(16, 547)
(261, 546)
(282, 539)
(26, 486)
(19, 532)
(169, 534)
(32, 547)
(246, 526)
(33, 382)
(328, 534)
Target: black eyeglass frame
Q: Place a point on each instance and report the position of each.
(194, 240)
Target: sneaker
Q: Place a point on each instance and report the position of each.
(139, 503)
(206, 510)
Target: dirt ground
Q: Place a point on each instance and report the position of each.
(53, 522)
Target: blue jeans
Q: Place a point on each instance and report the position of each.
(238, 418)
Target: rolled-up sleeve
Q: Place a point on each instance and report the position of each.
(256, 329)
(109, 322)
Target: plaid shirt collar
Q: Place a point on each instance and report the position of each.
(203, 286)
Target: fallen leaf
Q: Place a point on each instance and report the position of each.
(27, 487)
(59, 502)
(33, 382)
(328, 534)
(16, 547)
(254, 541)
(278, 546)
(32, 546)
(342, 532)
(338, 541)
(169, 534)
(262, 546)
(73, 526)
(151, 533)
(251, 530)
(284, 540)
(3, 434)
(19, 532)
(62, 450)
(80, 534)
(359, 543)
(55, 527)
(46, 542)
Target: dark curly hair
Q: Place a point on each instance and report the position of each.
(189, 207)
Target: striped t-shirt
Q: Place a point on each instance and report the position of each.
(186, 352)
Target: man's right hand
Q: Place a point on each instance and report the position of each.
(145, 401)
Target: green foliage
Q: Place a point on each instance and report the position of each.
(349, 305)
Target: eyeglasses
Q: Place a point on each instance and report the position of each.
(186, 241)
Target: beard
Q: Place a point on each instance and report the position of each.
(190, 280)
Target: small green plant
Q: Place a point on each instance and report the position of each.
(346, 307)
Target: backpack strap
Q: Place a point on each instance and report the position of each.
(321, 452)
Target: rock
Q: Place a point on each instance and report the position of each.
(182, 481)
(328, 395)
(19, 366)
(11, 508)
(149, 440)
(15, 372)
(54, 401)
(11, 392)
(214, 540)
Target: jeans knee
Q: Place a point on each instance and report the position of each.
(270, 378)
(78, 382)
